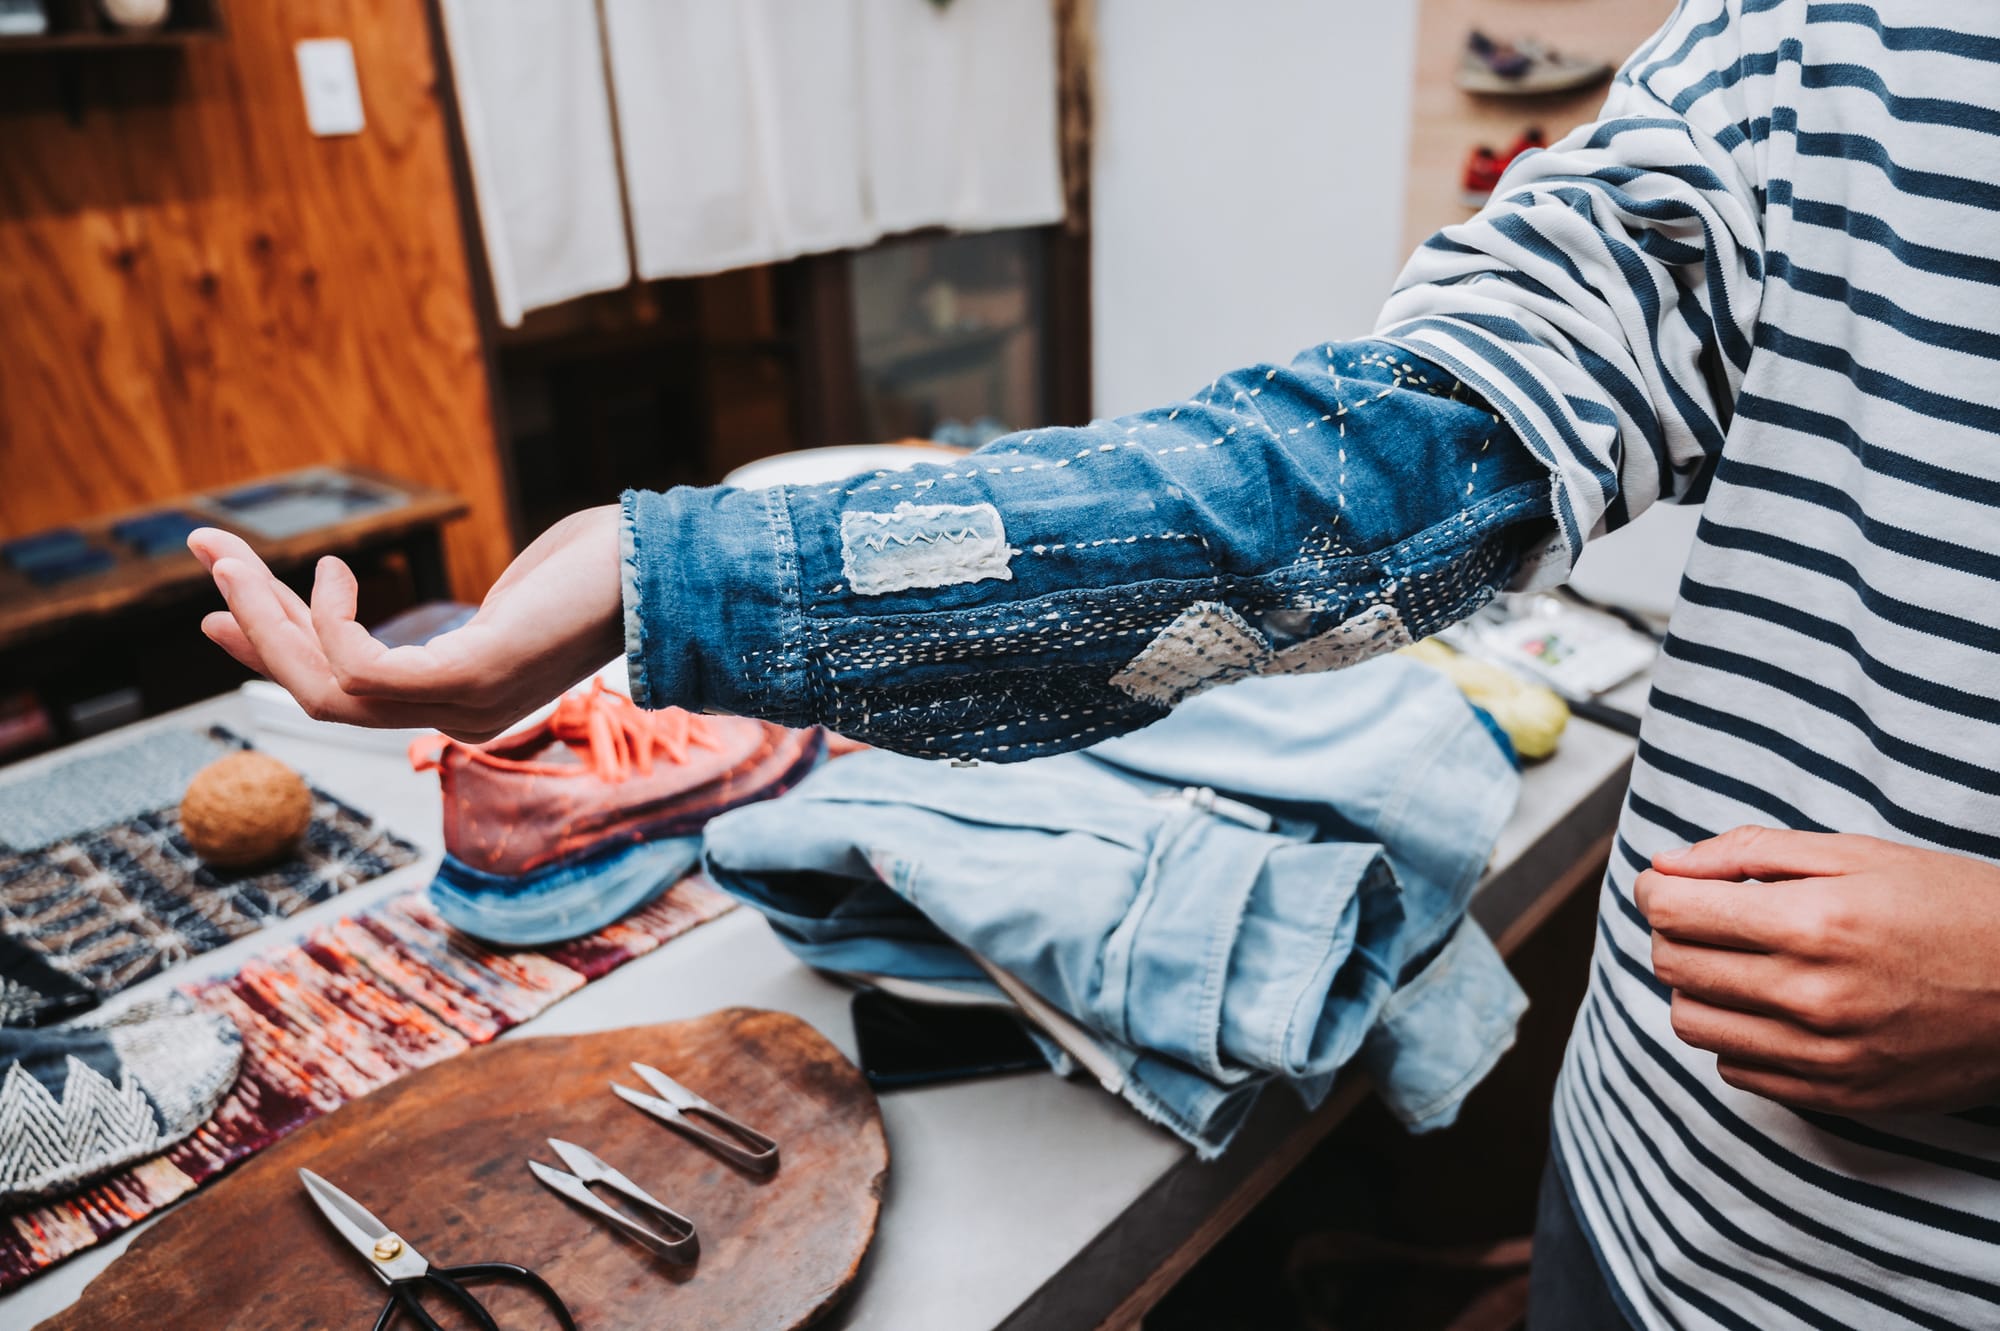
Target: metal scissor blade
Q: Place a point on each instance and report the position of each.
(680, 1245)
(675, 1094)
(652, 1104)
(388, 1256)
(582, 1163)
(676, 1106)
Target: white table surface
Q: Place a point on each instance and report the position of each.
(1025, 1199)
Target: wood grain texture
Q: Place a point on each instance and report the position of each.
(440, 1156)
(1447, 123)
(194, 290)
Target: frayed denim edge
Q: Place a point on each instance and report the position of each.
(628, 592)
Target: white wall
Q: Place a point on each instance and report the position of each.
(1247, 192)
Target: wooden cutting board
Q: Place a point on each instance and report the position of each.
(440, 1156)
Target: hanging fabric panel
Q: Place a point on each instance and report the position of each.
(537, 121)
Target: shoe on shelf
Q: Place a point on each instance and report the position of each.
(1523, 68)
(1482, 172)
(563, 828)
(1529, 140)
(1484, 167)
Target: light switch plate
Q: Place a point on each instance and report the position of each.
(332, 88)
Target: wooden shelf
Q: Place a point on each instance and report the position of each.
(76, 27)
(108, 41)
(28, 611)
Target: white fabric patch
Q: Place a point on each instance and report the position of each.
(1367, 634)
(1209, 644)
(923, 545)
(1206, 645)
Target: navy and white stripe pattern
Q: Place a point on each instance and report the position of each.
(1768, 280)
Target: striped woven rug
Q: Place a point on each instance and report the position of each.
(353, 1006)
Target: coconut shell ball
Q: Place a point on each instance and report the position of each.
(245, 810)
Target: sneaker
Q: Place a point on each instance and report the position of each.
(1484, 167)
(1482, 172)
(1523, 69)
(1530, 140)
(561, 829)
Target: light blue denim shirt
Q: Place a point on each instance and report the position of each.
(1062, 586)
(1312, 914)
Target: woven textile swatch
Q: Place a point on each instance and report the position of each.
(111, 905)
(352, 1007)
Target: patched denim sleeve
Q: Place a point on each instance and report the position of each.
(1061, 586)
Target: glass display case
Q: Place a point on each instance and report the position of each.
(949, 337)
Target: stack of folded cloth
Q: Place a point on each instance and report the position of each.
(560, 829)
(1261, 887)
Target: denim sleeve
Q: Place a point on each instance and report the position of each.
(1064, 585)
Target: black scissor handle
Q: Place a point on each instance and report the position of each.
(520, 1275)
(403, 1299)
(451, 1282)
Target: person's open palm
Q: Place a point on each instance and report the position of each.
(552, 618)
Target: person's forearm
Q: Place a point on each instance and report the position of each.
(1064, 585)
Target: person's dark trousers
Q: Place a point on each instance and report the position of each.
(1567, 1290)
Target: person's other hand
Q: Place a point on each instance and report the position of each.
(1857, 975)
(553, 618)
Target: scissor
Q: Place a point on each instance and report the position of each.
(406, 1272)
(678, 1107)
(675, 1237)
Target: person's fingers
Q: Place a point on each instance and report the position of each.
(1728, 977)
(291, 655)
(211, 545)
(1787, 1088)
(220, 628)
(1750, 1037)
(351, 650)
(1768, 853)
(445, 670)
(207, 544)
(1757, 917)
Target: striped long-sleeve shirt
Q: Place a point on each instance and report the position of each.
(1768, 280)
(1764, 281)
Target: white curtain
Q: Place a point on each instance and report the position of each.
(537, 118)
(961, 113)
(751, 130)
(741, 122)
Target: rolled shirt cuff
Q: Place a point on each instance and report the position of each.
(710, 587)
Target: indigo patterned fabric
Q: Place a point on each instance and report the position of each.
(353, 1006)
(107, 907)
(1062, 586)
(83, 1099)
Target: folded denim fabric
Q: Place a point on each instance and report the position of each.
(1264, 886)
(559, 830)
